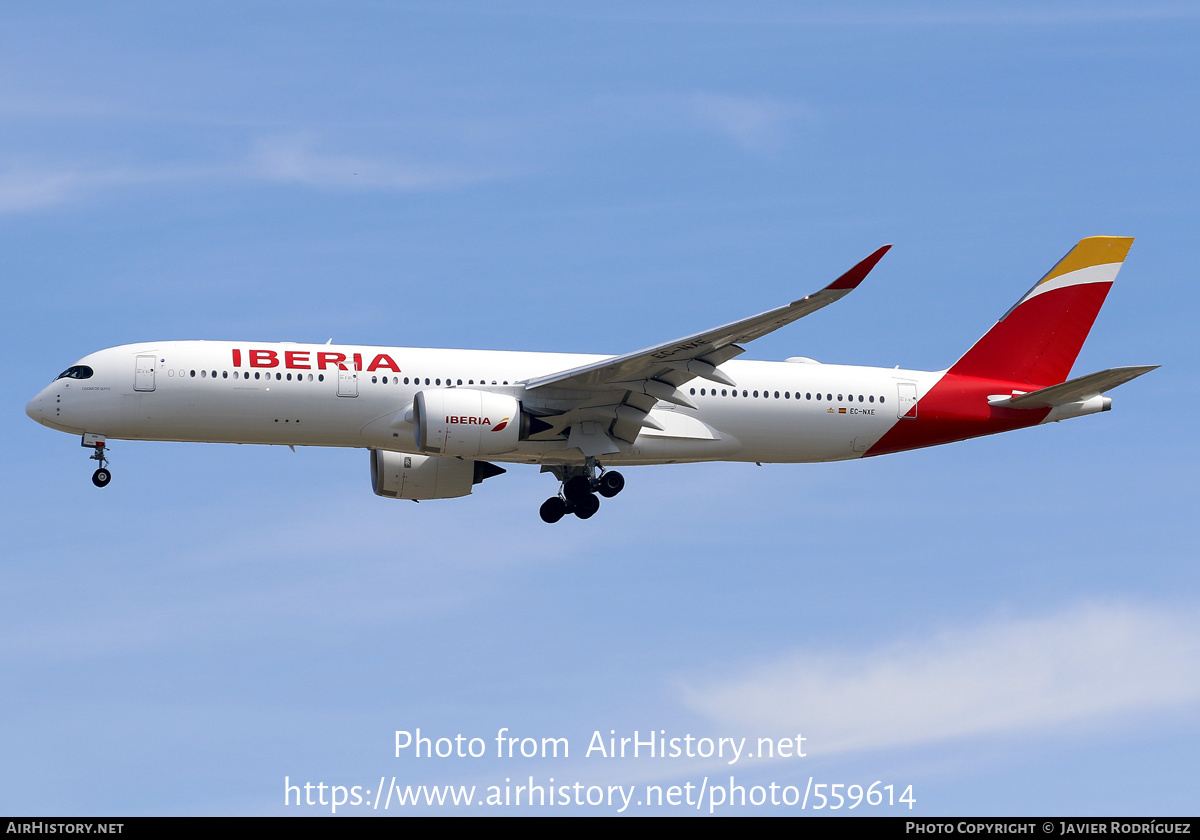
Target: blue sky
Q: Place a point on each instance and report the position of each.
(1006, 624)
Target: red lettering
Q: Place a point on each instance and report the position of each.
(383, 360)
(358, 361)
(264, 358)
(237, 357)
(291, 359)
(324, 359)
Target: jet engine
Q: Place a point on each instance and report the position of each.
(464, 422)
(401, 476)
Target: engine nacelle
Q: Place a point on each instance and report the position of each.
(461, 421)
(401, 476)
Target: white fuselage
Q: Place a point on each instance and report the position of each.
(300, 395)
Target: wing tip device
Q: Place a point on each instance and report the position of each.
(856, 275)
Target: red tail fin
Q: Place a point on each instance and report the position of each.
(1038, 339)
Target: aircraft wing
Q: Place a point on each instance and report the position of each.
(676, 362)
(619, 392)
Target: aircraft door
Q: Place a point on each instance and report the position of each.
(347, 384)
(907, 393)
(143, 374)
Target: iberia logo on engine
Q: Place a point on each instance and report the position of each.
(468, 420)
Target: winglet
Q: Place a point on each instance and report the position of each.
(856, 275)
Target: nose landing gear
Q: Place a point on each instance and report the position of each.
(96, 443)
(580, 485)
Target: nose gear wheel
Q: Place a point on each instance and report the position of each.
(102, 475)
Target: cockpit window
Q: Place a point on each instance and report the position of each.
(75, 372)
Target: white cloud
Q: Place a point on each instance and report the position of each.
(28, 187)
(759, 125)
(22, 190)
(1076, 667)
(292, 160)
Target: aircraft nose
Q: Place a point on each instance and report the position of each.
(34, 408)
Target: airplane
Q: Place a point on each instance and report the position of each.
(435, 420)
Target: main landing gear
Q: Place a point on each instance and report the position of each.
(101, 476)
(580, 485)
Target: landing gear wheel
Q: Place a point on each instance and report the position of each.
(611, 483)
(101, 477)
(553, 509)
(586, 507)
(576, 488)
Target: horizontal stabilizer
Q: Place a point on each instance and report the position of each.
(1074, 390)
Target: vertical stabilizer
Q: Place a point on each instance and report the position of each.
(1038, 340)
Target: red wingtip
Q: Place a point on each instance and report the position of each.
(854, 276)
